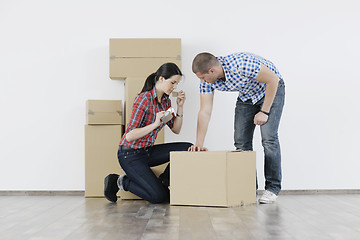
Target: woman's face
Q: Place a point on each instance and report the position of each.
(170, 84)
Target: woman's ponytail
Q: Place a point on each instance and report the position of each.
(149, 83)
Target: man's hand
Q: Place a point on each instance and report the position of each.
(260, 118)
(195, 148)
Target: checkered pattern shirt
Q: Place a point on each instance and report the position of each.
(241, 69)
(144, 113)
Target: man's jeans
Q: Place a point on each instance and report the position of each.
(139, 178)
(244, 131)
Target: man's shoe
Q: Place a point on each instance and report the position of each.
(268, 197)
(111, 187)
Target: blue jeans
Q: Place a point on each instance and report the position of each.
(140, 179)
(244, 130)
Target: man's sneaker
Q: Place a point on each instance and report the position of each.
(268, 197)
(111, 187)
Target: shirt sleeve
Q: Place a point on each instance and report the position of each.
(138, 113)
(171, 122)
(249, 66)
(206, 88)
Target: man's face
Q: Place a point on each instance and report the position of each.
(209, 77)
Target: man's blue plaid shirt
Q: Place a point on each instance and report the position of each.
(241, 69)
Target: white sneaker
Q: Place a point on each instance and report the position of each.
(268, 197)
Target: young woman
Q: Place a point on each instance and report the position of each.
(137, 152)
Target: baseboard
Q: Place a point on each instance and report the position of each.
(82, 193)
(42, 193)
(316, 191)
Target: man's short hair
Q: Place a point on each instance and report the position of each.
(203, 62)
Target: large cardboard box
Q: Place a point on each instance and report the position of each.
(139, 57)
(101, 145)
(222, 178)
(133, 87)
(104, 112)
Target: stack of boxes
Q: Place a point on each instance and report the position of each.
(131, 60)
(102, 136)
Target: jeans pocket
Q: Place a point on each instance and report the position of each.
(281, 88)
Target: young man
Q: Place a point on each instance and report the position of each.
(260, 102)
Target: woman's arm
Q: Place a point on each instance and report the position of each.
(180, 100)
(137, 133)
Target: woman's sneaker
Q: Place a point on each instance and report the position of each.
(111, 187)
(268, 197)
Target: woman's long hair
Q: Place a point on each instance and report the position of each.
(167, 70)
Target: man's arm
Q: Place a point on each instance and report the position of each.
(204, 115)
(267, 76)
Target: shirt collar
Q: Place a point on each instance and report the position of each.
(154, 94)
(226, 70)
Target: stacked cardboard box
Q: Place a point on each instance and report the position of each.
(134, 57)
(103, 132)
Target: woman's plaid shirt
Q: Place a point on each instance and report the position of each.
(144, 112)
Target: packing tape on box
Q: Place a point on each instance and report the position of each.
(90, 112)
(169, 114)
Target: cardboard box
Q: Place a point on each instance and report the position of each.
(101, 146)
(104, 112)
(136, 57)
(223, 178)
(133, 87)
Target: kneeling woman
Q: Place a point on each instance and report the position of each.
(137, 152)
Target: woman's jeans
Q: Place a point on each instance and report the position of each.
(244, 131)
(140, 179)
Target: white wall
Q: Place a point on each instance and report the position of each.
(54, 56)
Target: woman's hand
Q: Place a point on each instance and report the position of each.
(137, 133)
(159, 115)
(180, 100)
